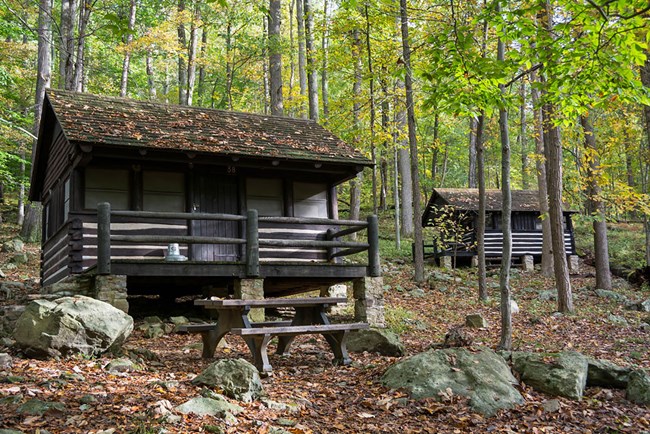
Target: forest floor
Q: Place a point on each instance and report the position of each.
(351, 398)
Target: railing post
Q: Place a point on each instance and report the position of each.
(252, 244)
(373, 249)
(104, 238)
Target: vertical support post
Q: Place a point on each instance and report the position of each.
(252, 244)
(104, 238)
(373, 249)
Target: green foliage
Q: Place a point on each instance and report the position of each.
(626, 243)
(398, 319)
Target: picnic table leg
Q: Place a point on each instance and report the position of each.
(304, 316)
(338, 346)
(260, 356)
(226, 321)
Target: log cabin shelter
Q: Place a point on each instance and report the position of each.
(453, 213)
(242, 195)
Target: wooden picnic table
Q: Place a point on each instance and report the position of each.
(310, 318)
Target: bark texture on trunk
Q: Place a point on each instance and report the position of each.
(480, 227)
(302, 59)
(645, 79)
(275, 58)
(413, 145)
(151, 83)
(84, 18)
(323, 74)
(522, 137)
(191, 56)
(66, 47)
(471, 172)
(596, 207)
(312, 76)
(182, 64)
(540, 165)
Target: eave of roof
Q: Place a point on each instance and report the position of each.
(120, 122)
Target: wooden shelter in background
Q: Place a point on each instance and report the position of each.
(455, 212)
(244, 195)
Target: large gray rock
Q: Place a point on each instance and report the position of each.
(641, 306)
(603, 373)
(558, 374)
(475, 320)
(612, 295)
(380, 341)
(237, 378)
(483, 376)
(638, 387)
(5, 361)
(71, 325)
(215, 406)
(13, 246)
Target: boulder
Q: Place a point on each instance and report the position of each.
(618, 320)
(641, 306)
(19, 258)
(558, 374)
(36, 407)
(179, 320)
(374, 340)
(209, 407)
(475, 321)
(237, 378)
(638, 387)
(121, 365)
(8, 317)
(71, 325)
(483, 376)
(547, 295)
(13, 246)
(612, 295)
(5, 361)
(603, 373)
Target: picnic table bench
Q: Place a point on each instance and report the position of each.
(310, 318)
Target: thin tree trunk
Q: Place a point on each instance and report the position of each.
(645, 79)
(406, 191)
(434, 152)
(596, 206)
(522, 137)
(21, 191)
(553, 153)
(275, 57)
(385, 120)
(302, 62)
(30, 229)
(151, 84)
(413, 145)
(66, 49)
(292, 50)
(191, 58)
(356, 184)
(542, 191)
(471, 173)
(480, 227)
(506, 222)
(398, 242)
(84, 18)
(201, 85)
(127, 54)
(229, 67)
(373, 149)
(323, 74)
(182, 64)
(312, 75)
(265, 69)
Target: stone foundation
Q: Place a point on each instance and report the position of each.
(251, 289)
(528, 263)
(574, 264)
(445, 262)
(369, 301)
(340, 290)
(110, 289)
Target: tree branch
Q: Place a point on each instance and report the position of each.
(523, 73)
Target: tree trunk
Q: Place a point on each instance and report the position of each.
(323, 74)
(522, 137)
(84, 18)
(265, 71)
(480, 227)
(385, 121)
(229, 67)
(127, 55)
(398, 243)
(151, 84)
(596, 206)
(373, 148)
(302, 62)
(553, 153)
(201, 85)
(538, 123)
(471, 173)
(413, 145)
(191, 57)
(645, 79)
(21, 191)
(66, 49)
(356, 184)
(312, 76)
(31, 228)
(275, 57)
(506, 210)
(182, 65)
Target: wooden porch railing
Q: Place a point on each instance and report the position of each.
(252, 241)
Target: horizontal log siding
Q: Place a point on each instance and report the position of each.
(280, 231)
(132, 226)
(523, 243)
(57, 161)
(56, 254)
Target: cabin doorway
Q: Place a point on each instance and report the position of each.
(215, 194)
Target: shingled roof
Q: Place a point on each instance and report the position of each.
(466, 199)
(103, 120)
